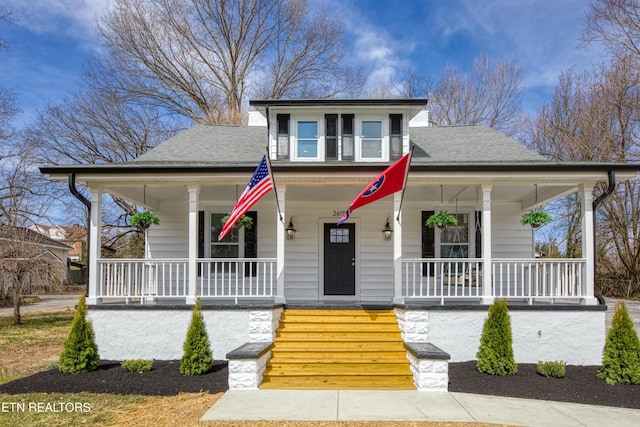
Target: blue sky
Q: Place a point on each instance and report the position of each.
(51, 40)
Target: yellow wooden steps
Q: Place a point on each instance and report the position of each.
(338, 349)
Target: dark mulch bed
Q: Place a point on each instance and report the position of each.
(580, 384)
(164, 379)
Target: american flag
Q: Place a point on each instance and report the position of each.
(259, 185)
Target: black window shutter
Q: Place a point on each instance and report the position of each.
(251, 244)
(428, 244)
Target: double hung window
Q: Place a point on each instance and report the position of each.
(307, 140)
(371, 140)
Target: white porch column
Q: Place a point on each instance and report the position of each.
(398, 298)
(487, 294)
(280, 246)
(194, 192)
(95, 240)
(588, 252)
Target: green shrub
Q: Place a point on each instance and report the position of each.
(552, 369)
(495, 355)
(621, 355)
(197, 358)
(137, 365)
(80, 352)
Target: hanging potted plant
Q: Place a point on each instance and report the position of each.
(143, 220)
(535, 218)
(244, 221)
(441, 219)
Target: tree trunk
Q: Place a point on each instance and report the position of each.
(16, 306)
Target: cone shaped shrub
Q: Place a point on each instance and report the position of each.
(495, 355)
(80, 352)
(197, 358)
(621, 355)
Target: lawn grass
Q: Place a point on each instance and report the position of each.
(35, 345)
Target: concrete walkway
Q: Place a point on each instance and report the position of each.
(360, 405)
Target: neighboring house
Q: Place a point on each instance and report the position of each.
(20, 242)
(74, 236)
(324, 152)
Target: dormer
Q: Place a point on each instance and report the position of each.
(339, 130)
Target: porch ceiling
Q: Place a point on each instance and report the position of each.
(150, 195)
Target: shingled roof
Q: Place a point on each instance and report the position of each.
(225, 145)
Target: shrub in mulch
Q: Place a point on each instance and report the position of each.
(80, 352)
(197, 357)
(621, 356)
(495, 354)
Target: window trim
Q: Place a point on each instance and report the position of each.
(208, 234)
(384, 140)
(320, 153)
(471, 244)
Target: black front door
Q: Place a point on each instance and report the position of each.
(339, 259)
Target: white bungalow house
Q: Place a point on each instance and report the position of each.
(324, 152)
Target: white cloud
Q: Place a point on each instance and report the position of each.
(74, 18)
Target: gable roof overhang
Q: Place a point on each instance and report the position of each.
(204, 169)
(413, 106)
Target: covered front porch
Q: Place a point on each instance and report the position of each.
(498, 260)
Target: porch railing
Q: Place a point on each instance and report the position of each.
(142, 278)
(540, 278)
(442, 278)
(236, 278)
(221, 278)
(525, 279)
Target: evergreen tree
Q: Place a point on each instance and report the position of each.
(197, 358)
(80, 352)
(621, 355)
(495, 355)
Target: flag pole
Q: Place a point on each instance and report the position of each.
(273, 182)
(404, 185)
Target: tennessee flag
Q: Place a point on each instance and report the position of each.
(259, 185)
(391, 180)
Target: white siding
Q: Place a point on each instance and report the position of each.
(510, 239)
(170, 239)
(304, 256)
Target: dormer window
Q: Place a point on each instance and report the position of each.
(372, 141)
(307, 141)
(339, 137)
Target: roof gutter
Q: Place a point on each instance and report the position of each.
(74, 190)
(609, 190)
